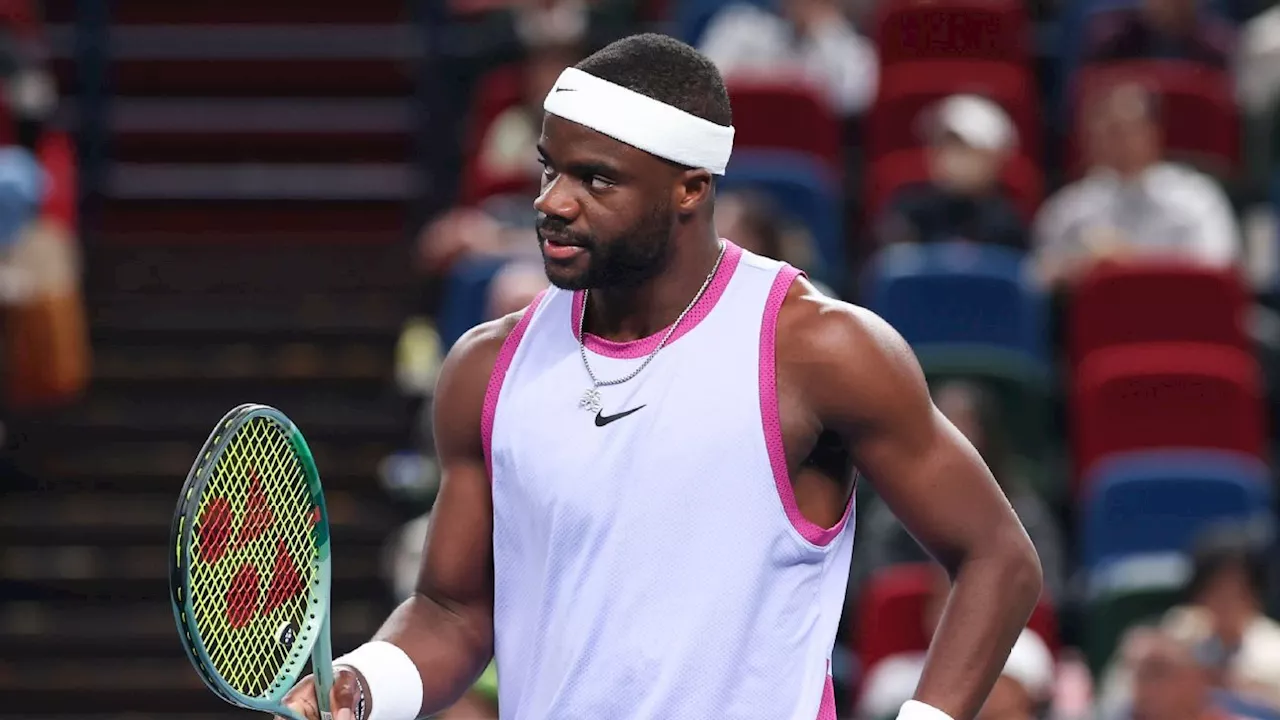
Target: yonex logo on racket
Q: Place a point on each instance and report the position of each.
(221, 531)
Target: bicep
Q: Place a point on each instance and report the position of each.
(925, 470)
(457, 565)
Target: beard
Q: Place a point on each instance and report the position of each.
(627, 260)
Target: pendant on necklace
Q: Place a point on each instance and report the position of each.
(591, 401)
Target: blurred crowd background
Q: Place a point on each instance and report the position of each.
(1067, 207)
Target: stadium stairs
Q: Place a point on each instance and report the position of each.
(250, 249)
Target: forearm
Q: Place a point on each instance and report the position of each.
(449, 646)
(992, 597)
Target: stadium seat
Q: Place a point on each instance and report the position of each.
(1159, 501)
(1197, 110)
(1156, 301)
(891, 611)
(466, 297)
(1021, 180)
(908, 88)
(57, 156)
(804, 189)
(793, 116)
(962, 306)
(1157, 396)
(969, 313)
(958, 29)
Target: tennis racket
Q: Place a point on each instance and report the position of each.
(250, 576)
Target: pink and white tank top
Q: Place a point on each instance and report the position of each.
(650, 561)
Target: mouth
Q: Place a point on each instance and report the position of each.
(560, 247)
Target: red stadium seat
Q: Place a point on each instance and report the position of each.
(957, 29)
(1156, 301)
(1197, 109)
(908, 88)
(1165, 396)
(1022, 180)
(773, 115)
(891, 612)
(57, 157)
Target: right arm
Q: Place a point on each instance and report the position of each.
(446, 627)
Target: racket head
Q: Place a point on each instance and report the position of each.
(250, 573)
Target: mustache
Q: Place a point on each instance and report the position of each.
(558, 231)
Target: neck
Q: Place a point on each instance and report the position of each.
(625, 314)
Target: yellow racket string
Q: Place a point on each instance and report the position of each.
(252, 560)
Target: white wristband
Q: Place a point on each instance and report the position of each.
(392, 683)
(916, 710)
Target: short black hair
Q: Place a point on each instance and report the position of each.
(667, 70)
(1223, 546)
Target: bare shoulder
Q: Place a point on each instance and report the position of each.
(464, 379)
(849, 363)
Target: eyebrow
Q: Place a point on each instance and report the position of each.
(587, 168)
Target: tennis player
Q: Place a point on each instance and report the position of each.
(618, 522)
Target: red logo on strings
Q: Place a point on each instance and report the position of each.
(214, 538)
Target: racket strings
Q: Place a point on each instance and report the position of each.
(254, 557)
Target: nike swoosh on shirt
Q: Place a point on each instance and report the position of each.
(602, 420)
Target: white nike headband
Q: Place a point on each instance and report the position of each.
(640, 121)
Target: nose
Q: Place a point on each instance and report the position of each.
(556, 200)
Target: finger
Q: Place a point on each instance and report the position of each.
(343, 696)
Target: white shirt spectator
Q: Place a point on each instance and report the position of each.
(1258, 67)
(745, 39)
(1168, 210)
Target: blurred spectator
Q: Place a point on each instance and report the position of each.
(1162, 29)
(514, 287)
(753, 220)
(811, 39)
(552, 33)
(970, 140)
(1226, 593)
(1258, 67)
(975, 413)
(1132, 202)
(1159, 675)
(1025, 686)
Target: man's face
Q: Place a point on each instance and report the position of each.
(1167, 684)
(605, 214)
(1121, 135)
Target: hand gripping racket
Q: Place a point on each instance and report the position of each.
(250, 575)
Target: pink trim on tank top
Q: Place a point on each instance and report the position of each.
(772, 420)
(827, 710)
(505, 355)
(638, 348)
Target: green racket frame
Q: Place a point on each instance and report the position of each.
(313, 640)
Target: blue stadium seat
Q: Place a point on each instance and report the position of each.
(803, 189)
(963, 307)
(465, 297)
(1157, 502)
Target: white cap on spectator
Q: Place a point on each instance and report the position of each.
(1030, 664)
(976, 120)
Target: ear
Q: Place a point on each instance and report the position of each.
(693, 189)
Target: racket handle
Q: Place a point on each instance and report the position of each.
(322, 662)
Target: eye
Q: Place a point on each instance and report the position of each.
(598, 183)
(547, 170)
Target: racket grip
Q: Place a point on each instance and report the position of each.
(322, 663)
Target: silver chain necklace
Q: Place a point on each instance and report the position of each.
(591, 400)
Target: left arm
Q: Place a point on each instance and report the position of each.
(862, 380)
